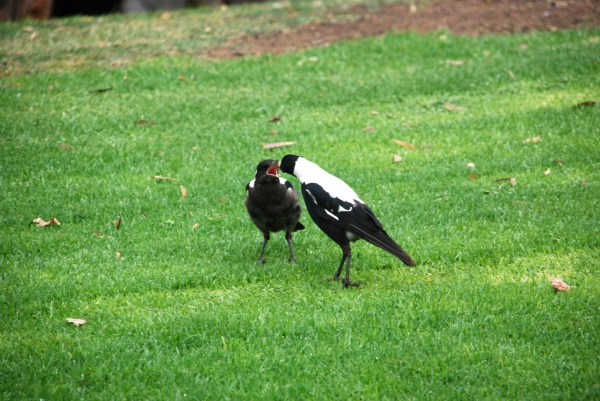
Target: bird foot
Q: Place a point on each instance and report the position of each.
(292, 260)
(334, 278)
(261, 261)
(347, 283)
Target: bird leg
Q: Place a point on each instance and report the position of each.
(260, 258)
(346, 280)
(347, 255)
(288, 238)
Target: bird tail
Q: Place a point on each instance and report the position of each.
(385, 242)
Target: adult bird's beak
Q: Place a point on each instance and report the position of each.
(274, 169)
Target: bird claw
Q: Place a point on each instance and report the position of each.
(334, 278)
(347, 283)
(292, 260)
(261, 261)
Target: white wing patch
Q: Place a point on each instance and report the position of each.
(311, 195)
(251, 185)
(331, 214)
(341, 209)
(283, 181)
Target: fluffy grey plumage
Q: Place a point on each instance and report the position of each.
(272, 204)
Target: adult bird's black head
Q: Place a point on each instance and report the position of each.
(339, 212)
(272, 204)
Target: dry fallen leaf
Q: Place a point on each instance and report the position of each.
(587, 103)
(453, 107)
(101, 90)
(144, 122)
(473, 176)
(523, 46)
(160, 177)
(276, 145)
(512, 75)
(403, 144)
(165, 15)
(535, 139)
(276, 118)
(471, 165)
(118, 255)
(557, 161)
(195, 226)
(397, 158)
(513, 182)
(41, 223)
(76, 322)
(182, 78)
(65, 146)
(547, 172)
(368, 128)
(375, 112)
(584, 182)
(183, 191)
(28, 28)
(486, 53)
(560, 285)
(456, 62)
(118, 222)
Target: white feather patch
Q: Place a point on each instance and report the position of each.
(251, 185)
(331, 214)
(311, 195)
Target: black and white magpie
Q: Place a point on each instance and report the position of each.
(339, 212)
(272, 204)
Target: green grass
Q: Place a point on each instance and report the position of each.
(186, 314)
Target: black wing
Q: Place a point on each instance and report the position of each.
(358, 219)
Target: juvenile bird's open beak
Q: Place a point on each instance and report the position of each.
(274, 169)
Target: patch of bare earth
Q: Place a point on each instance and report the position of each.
(469, 17)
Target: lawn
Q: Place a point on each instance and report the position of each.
(176, 307)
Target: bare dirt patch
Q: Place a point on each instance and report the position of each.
(469, 17)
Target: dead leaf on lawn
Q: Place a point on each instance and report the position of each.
(557, 161)
(560, 285)
(76, 322)
(118, 255)
(368, 129)
(41, 223)
(144, 122)
(101, 90)
(587, 103)
(471, 165)
(118, 222)
(547, 172)
(276, 145)
(584, 182)
(195, 226)
(397, 158)
(65, 146)
(28, 28)
(182, 78)
(473, 176)
(375, 112)
(160, 177)
(453, 107)
(403, 144)
(183, 191)
(523, 46)
(512, 76)
(165, 15)
(276, 118)
(456, 62)
(513, 182)
(535, 139)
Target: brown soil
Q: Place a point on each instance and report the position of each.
(468, 17)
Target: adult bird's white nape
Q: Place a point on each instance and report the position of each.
(339, 212)
(273, 205)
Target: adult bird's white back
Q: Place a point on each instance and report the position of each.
(339, 212)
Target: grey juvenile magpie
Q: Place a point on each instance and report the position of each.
(272, 204)
(339, 212)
